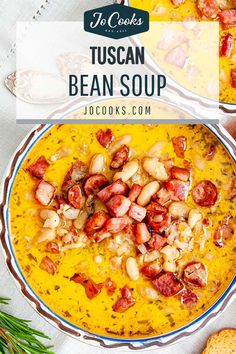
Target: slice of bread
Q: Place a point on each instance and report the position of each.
(222, 342)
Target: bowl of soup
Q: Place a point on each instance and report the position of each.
(122, 235)
(190, 13)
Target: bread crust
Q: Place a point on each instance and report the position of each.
(219, 338)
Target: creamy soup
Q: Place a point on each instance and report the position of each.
(206, 10)
(126, 232)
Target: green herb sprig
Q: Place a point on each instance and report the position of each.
(17, 337)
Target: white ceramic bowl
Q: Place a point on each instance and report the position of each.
(62, 324)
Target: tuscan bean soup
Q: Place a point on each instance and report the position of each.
(223, 11)
(126, 231)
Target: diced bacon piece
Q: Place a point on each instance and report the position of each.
(125, 302)
(157, 241)
(105, 137)
(151, 270)
(129, 231)
(176, 56)
(38, 168)
(52, 247)
(110, 286)
(44, 192)
(117, 187)
(188, 165)
(66, 185)
(188, 298)
(142, 234)
(208, 8)
(157, 217)
(95, 183)
(91, 288)
(115, 225)
(71, 237)
(157, 208)
(227, 18)
(134, 192)
(48, 265)
(195, 274)
(167, 284)
(223, 232)
(137, 212)
(118, 205)
(120, 157)
(178, 189)
(180, 145)
(96, 222)
(226, 46)
(77, 171)
(168, 163)
(163, 196)
(205, 193)
(101, 235)
(233, 77)
(75, 197)
(158, 223)
(182, 174)
(60, 200)
(211, 153)
(177, 2)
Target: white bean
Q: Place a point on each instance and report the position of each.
(147, 192)
(70, 213)
(142, 248)
(81, 243)
(179, 210)
(169, 253)
(128, 170)
(149, 293)
(117, 143)
(98, 259)
(61, 232)
(115, 263)
(52, 222)
(156, 149)
(47, 214)
(46, 235)
(65, 223)
(151, 256)
(185, 231)
(169, 266)
(80, 221)
(199, 162)
(60, 153)
(132, 153)
(155, 168)
(132, 268)
(193, 217)
(123, 249)
(97, 164)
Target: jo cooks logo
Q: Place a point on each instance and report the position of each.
(116, 21)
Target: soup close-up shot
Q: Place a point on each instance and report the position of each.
(190, 13)
(126, 231)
